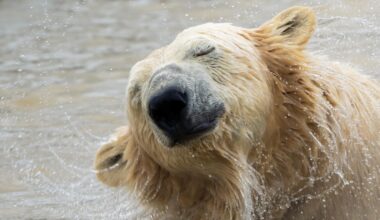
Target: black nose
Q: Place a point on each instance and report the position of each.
(168, 110)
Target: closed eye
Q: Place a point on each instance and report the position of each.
(204, 51)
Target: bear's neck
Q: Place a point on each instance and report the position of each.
(197, 197)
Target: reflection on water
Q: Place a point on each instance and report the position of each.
(63, 69)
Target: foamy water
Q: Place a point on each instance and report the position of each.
(63, 70)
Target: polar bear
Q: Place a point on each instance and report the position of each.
(228, 122)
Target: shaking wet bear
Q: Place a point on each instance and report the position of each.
(238, 123)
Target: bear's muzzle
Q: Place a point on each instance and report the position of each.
(182, 106)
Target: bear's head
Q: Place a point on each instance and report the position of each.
(203, 111)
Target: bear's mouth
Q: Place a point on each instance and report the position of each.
(195, 132)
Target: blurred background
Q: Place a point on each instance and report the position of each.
(63, 70)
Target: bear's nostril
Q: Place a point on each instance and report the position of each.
(167, 109)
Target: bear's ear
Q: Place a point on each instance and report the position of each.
(111, 161)
(292, 26)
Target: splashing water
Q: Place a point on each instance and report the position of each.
(64, 66)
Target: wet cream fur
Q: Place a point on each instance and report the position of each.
(300, 138)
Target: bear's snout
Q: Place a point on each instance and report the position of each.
(171, 111)
(182, 103)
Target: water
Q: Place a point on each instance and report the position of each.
(63, 70)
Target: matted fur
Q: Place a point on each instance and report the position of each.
(299, 138)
